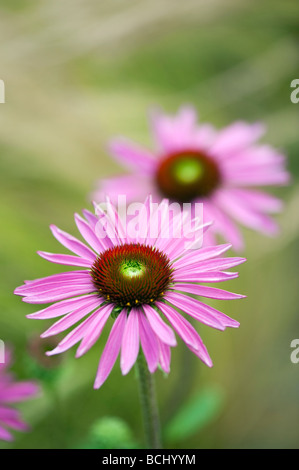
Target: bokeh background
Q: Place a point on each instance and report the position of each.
(77, 73)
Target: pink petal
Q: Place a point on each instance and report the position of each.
(197, 276)
(88, 234)
(68, 260)
(203, 354)
(210, 265)
(181, 326)
(258, 200)
(201, 255)
(16, 392)
(72, 244)
(5, 435)
(69, 275)
(209, 292)
(95, 330)
(91, 218)
(236, 137)
(190, 306)
(11, 418)
(135, 187)
(58, 294)
(246, 215)
(175, 132)
(111, 349)
(33, 290)
(163, 331)
(130, 342)
(71, 318)
(221, 317)
(164, 356)
(76, 334)
(133, 156)
(223, 225)
(63, 307)
(149, 343)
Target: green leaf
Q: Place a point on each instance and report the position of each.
(109, 433)
(204, 408)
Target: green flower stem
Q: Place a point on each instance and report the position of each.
(148, 404)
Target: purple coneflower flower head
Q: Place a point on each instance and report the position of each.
(138, 274)
(196, 163)
(11, 392)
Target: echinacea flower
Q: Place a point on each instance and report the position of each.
(195, 163)
(12, 391)
(140, 279)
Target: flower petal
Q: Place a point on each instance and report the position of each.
(130, 342)
(95, 330)
(71, 318)
(163, 331)
(63, 307)
(72, 244)
(189, 306)
(132, 155)
(209, 292)
(111, 350)
(149, 343)
(68, 260)
(181, 326)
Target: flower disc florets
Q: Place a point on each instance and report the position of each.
(132, 274)
(188, 175)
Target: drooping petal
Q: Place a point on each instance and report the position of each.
(149, 343)
(201, 311)
(203, 354)
(130, 342)
(163, 331)
(111, 350)
(95, 330)
(76, 334)
(189, 306)
(181, 326)
(164, 356)
(71, 318)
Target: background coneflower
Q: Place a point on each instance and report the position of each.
(11, 392)
(196, 163)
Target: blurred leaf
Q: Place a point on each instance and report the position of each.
(195, 415)
(109, 433)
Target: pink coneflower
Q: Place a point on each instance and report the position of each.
(140, 280)
(11, 392)
(194, 163)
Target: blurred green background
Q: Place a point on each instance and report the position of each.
(78, 72)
